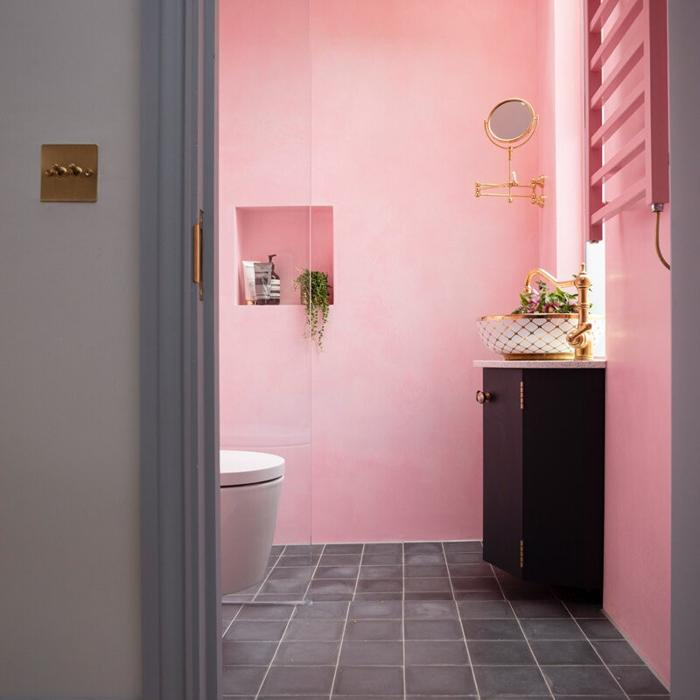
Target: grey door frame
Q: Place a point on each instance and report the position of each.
(178, 341)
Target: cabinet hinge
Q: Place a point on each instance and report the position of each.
(522, 554)
(522, 396)
(197, 257)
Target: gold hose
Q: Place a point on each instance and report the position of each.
(664, 262)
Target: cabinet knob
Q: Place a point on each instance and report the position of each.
(483, 396)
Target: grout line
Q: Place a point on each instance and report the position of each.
(461, 624)
(527, 641)
(403, 617)
(286, 627)
(269, 573)
(585, 636)
(228, 627)
(345, 625)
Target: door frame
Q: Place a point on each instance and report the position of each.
(178, 354)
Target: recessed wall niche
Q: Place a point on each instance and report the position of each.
(299, 236)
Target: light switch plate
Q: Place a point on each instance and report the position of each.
(69, 172)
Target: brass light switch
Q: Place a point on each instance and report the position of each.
(69, 172)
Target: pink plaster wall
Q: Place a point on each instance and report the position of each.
(638, 424)
(375, 109)
(561, 140)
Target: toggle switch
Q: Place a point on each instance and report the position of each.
(69, 172)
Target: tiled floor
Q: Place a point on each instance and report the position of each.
(419, 620)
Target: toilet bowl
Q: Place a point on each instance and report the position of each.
(250, 485)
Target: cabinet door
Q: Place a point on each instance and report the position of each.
(563, 476)
(503, 484)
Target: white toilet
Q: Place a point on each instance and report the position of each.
(250, 486)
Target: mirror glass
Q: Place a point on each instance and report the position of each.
(511, 120)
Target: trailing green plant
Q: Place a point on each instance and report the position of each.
(542, 301)
(314, 291)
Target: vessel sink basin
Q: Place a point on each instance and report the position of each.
(532, 336)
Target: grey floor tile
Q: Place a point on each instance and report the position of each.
(428, 571)
(427, 653)
(265, 612)
(297, 572)
(463, 546)
(509, 680)
(368, 653)
(241, 680)
(617, 652)
(551, 629)
(500, 653)
(539, 608)
(308, 549)
(494, 630)
(422, 548)
(340, 560)
(484, 609)
(377, 610)
(298, 560)
(333, 610)
(256, 631)
(428, 595)
(432, 629)
(369, 680)
(278, 597)
(465, 570)
(587, 610)
(581, 680)
(475, 583)
(573, 653)
(374, 572)
(247, 653)
(424, 559)
(382, 559)
(440, 680)
(637, 680)
(373, 630)
(307, 654)
(426, 585)
(478, 595)
(463, 557)
(330, 587)
(343, 549)
(380, 586)
(377, 596)
(336, 572)
(298, 680)
(599, 629)
(284, 586)
(305, 630)
(430, 610)
(384, 548)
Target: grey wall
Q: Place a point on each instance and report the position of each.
(69, 515)
(684, 29)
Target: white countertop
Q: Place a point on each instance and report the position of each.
(596, 363)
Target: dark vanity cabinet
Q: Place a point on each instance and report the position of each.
(544, 435)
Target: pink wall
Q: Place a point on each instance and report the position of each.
(375, 109)
(561, 139)
(638, 425)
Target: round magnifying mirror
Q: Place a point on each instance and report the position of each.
(511, 121)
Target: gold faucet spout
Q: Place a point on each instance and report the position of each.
(580, 338)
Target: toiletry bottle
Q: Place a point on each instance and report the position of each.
(275, 283)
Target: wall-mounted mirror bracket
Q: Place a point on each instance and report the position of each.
(511, 124)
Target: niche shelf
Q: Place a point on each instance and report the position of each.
(300, 236)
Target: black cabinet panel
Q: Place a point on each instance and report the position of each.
(544, 474)
(503, 480)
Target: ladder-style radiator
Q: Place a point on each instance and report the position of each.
(626, 39)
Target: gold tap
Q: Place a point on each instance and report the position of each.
(579, 339)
